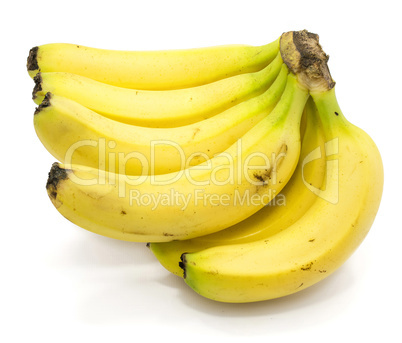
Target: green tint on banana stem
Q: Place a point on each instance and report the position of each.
(319, 242)
(153, 70)
(160, 109)
(111, 204)
(285, 209)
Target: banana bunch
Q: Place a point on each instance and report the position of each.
(235, 164)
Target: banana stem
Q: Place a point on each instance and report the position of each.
(304, 56)
(330, 112)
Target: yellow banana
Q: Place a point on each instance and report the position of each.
(331, 229)
(167, 108)
(154, 70)
(196, 201)
(77, 135)
(285, 209)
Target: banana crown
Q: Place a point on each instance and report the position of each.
(304, 56)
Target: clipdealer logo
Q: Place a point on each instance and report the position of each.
(330, 191)
(115, 163)
(199, 197)
(231, 169)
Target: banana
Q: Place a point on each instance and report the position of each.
(167, 108)
(192, 202)
(331, 229)
(285, 209)
(77, 135)
(153, 70)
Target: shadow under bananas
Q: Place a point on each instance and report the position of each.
(310, 307)
(86, 249)
(121, 282)
(140, 294)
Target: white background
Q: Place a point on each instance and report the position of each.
(61, 283)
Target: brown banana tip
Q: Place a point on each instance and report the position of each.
(38, 85)
(32, 60)
(182, 264)
(304, 56)
(56, 174)
(45, 103)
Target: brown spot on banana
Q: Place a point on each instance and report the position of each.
(265, 176)
(195, 132)
(307, 266)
